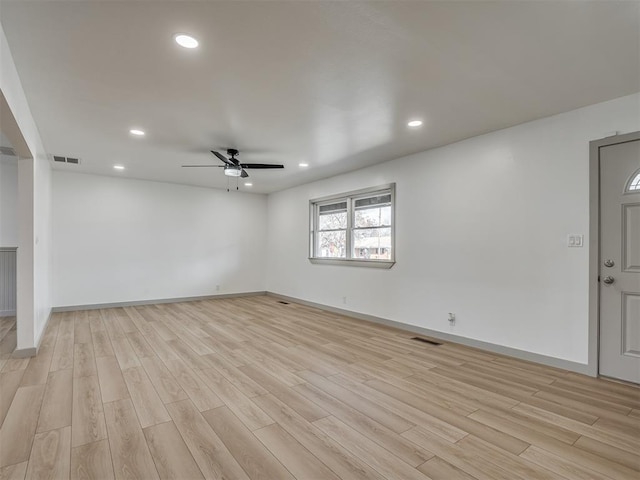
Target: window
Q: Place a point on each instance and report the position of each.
(355, 228)
(634, 183)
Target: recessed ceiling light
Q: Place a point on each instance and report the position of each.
(186, 41)
(118, 167)
(248, 184)
(303, 164)
(414, 123)
(136, 132)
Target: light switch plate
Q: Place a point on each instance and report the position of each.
(575, 240)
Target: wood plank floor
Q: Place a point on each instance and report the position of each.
(7, 335)
(251, 388)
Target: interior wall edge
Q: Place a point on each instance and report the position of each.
(24, 352)
(33, 351)
(469, 342)
(34, 200)
(11, 129)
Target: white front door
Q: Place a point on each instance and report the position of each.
(620, 260)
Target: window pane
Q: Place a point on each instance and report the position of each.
(332, 221)
(378, 200)
(373, 244)
(340, 206)
(355, 226)
(332, 244)
(372, 217)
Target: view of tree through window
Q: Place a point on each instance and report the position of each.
(356, 227)
(332, 230)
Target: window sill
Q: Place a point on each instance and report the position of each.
(386, 264)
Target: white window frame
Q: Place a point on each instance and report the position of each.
(349, 198)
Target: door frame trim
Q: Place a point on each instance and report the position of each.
(594, 243)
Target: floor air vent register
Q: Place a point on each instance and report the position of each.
(425, 340)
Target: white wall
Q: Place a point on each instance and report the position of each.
(121, 240)
(42, 238)
(481, 231)
(8, 202)
(34, 215)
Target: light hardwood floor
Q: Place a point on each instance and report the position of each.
(250, 388)
(7, 335)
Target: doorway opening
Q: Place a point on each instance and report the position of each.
(8, 245)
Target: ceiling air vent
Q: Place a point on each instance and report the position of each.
(7, 151)
(61, 159)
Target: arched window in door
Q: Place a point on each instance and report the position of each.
(633, 185)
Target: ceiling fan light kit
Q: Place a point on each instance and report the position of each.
(232, 171)
(232, 166)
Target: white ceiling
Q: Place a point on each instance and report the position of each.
(332, 84)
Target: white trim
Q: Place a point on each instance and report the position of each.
(353, 193)
(95, 306)
(490, 347)
(470, 342)
(349, 197)
(352, 262)
(32, 351)
(25, 352)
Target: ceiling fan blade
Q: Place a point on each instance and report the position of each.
(244, 173)
(261, 165)
(223, 158)
(206, 166)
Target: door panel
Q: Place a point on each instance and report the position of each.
(619, 262)
(631, 324)
(631, 238)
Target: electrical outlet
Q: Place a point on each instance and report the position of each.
(217, 288)
(452, 318)
(344, 300)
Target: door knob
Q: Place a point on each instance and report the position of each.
(608, 280)
(609, 263)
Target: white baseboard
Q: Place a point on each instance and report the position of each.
(25, 352)
(72, 308)
(490, 347)
(470, 342)
(7, 313)
(32, 351)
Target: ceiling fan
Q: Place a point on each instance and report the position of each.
(233, 167)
